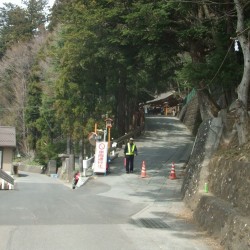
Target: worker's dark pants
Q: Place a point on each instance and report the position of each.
(129, 163)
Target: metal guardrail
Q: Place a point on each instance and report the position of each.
(6, 177)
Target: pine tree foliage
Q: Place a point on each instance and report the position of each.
(21, 24)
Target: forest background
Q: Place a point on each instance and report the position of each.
(64, 70)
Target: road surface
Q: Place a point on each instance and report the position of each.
(115, 212)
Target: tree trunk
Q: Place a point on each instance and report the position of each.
(68, 145)
(121, 107)
(242, 122)
(243, 88)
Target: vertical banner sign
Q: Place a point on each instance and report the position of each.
(101, 153)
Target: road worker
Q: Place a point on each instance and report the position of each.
(130, 151)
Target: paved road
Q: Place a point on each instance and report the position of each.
(115, 212)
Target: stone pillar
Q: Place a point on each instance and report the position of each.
(52, 167)
(71, 166)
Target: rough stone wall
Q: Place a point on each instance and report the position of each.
(190, 115)
(206, 143)
(230, 181)
(192, 176)
(32, 169)
(223, 211)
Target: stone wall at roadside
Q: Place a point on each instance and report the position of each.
(190, 115)
(230, 181)
(224, 211)
(29, 168)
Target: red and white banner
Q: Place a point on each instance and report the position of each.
(101, 153)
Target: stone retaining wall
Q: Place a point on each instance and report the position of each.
(190, 115)
(230, 181)
(224, 211)
(32, 169)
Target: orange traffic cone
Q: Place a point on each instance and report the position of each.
(172, 175)
(143, 170)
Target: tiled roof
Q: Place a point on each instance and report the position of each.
(7, 136)
(162, 97)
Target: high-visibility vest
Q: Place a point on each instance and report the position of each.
(130, 149)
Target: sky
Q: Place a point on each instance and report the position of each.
(19, 2)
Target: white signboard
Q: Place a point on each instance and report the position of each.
(101, 153)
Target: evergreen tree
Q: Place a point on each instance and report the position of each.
(13, 26)
(103, 41)
(21, 24)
